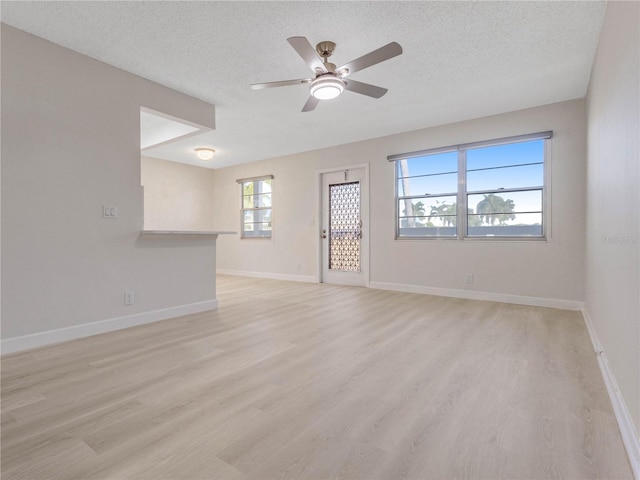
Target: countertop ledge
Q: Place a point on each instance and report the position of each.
(188, 232)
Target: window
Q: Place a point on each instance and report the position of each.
(427, 193)
(256, 207)
(484, 189)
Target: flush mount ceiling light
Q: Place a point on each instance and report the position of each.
(205, 153)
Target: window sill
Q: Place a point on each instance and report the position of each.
(478, 239)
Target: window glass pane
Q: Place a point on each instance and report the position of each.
(443, 208)
(519, 224)
(428, 164)
(505, 177)
(264, 215)
(427, 175)
(425, 227)
(502, 155)
(254, 201)
(434, 216)
(264, 186)
(256, 230)
(411, 207)
(505, 203)
(247, 188)
(255, 216)
(427, 207)
(429, 221)
(428, 185)
(264, 200)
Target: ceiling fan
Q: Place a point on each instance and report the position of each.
(329, 81)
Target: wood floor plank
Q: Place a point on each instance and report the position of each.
(315, 381)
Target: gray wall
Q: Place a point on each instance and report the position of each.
(70, 144)
(177, 196)
(613, 199)
(551, 269)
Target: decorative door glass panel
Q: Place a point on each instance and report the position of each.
(345, 228)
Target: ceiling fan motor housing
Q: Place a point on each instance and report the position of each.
(325, 49)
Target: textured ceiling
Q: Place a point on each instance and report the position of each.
(461, 60)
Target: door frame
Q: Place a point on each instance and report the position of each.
(366, 226)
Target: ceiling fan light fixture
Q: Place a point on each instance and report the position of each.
(326, 87)
(205, 153)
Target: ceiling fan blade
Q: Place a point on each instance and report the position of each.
(364, 88)
(283, 83)
(311, 104)
(308, 53)
(390, 50)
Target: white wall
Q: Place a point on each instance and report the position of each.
(177, 196)
(71, 144)
(613, 201)
(551, 269)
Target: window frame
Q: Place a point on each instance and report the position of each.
(462, 193)
(243, 209)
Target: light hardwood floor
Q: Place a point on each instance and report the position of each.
(308, 381)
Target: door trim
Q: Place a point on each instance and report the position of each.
(366, 263)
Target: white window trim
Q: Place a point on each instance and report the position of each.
(461, 195)
(241, 182)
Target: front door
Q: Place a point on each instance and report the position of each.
(345, 245)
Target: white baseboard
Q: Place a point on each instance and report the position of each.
(625, 423)
(272, 276)
(476, 295)
(15, 344)
(443, 292)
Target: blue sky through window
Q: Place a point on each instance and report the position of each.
(502, 155)
(508, 166)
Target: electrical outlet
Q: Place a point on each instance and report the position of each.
(468, 278)
(129, 298)
(109, 212)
